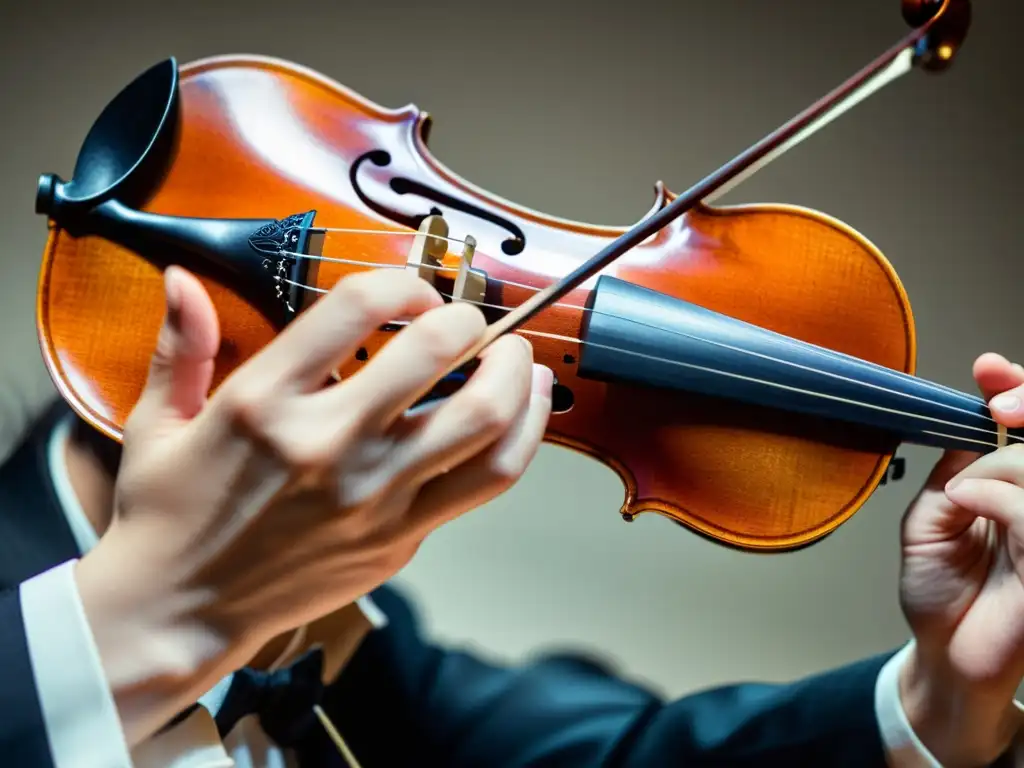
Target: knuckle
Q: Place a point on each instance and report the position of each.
(470, 322)
(360, 302)
(506, 467)
(501, 474)
(518, 345)
(506, 473)
(360, 293)
(488, 413)
(468, 316)
(294, 438)
(432, 334)
(446, 332)
(380, 293)
(246, 407)
(510, 359)
(303, 457)
(475, 406)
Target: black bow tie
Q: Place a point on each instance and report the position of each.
(283, 699)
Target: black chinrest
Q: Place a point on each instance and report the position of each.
(126, 150)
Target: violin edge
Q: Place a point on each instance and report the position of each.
(632, 505)
(422, 123)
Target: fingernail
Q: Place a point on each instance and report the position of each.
(1018, 368)
(543, 379)
(1006, 403)
(953, 484)
(172, 289)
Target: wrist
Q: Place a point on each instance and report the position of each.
(157, 655)
(960, 726)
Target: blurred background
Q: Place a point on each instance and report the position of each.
(577, 109)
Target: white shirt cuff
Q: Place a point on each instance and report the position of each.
(81, 718)
(82, 723)
(903, 748)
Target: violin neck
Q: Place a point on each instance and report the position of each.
(638, 336)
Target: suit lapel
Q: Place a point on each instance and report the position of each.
(34, 532)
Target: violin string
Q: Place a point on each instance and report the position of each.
(778, 385)
(980, 443)
(384, 232)
(762, 382)
(974, 399)
(436, 268)
(824, 353)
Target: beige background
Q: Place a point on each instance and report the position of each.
(577, 109)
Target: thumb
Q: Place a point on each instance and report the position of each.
(181, 370)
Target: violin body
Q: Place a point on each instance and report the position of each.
(251, 138)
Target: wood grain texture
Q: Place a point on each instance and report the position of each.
(265, 138)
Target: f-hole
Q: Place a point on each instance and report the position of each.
(402, 186)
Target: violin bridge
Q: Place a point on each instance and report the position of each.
(429, 248)
(428, 252)
(470, 284)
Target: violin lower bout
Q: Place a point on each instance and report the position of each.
(745, 476)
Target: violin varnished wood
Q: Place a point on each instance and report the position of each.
(470, 284)
(746, 476)
(429, 248)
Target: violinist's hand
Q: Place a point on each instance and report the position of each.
(962, 590)
(278, 500)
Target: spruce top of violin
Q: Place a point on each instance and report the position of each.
(746, 370)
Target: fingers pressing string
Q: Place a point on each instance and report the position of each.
(408, 366)
(492, 471)
(474, 417)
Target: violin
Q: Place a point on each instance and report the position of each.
(747, 371)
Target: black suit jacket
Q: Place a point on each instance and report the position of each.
(34, 536)
(23, 740)
(403, 701)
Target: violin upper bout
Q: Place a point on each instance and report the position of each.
(662, 197)
(422, 121)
